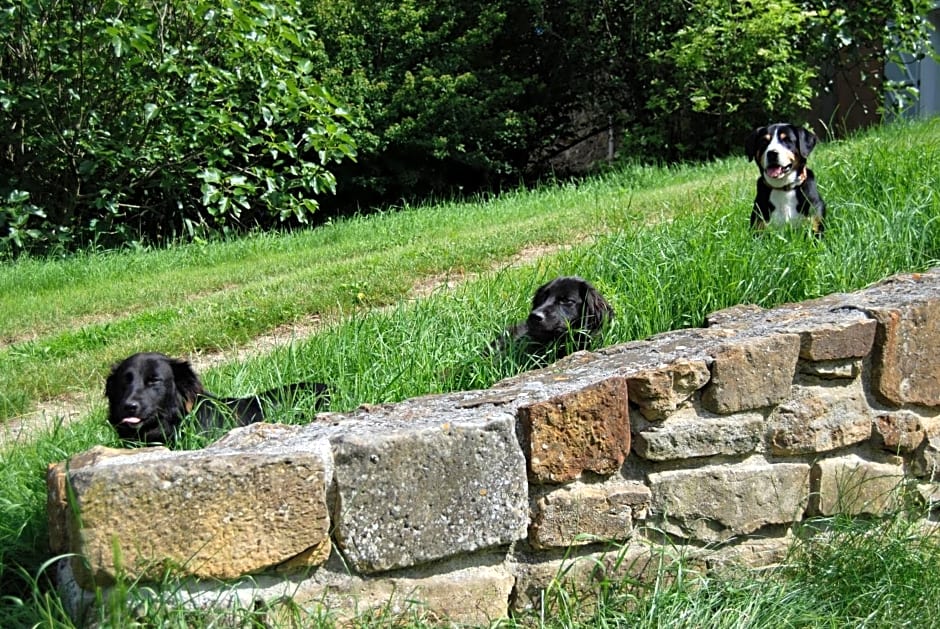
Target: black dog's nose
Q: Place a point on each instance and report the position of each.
(537, 315)
(131, 408)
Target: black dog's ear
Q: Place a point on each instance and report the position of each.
(596, 311)
(187, 382)
(806, 140)
(111, 381)
(750, 144)
(541, 294)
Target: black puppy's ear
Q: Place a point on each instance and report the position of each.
(750, 144)
(187, 382)
(806, 140)
(541, 294)
(111, 381)
(597, 311)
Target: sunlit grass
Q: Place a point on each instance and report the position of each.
(666, 246)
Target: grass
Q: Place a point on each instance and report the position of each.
(666, 245)
(839, 572)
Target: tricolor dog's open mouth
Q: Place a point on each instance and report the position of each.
(777, 171)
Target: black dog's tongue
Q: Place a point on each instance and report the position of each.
(131, 421)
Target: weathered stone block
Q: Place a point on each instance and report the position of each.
(582, 576)
(714, 503)
(466, 592)
(581, 514)
(587, 430)
(848, 369)
(658, 392)
(423, 490)
(819, 419)
(750, 553)
(906, 363)
(689, 434)
(751, 373)
(927, 460)
(900, 432)
(851, 337)
(852, 485)
(212, 513)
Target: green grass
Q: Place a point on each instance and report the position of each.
(665, 245)
(838, 573)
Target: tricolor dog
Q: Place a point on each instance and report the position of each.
(786, 188)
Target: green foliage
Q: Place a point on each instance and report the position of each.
(731, 62)
(123, 118)
(862, 36)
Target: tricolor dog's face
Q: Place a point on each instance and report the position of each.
(780, 151)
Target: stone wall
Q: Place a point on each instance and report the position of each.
(711, 442)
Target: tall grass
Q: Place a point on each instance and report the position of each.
(665, 245)
(839, 572)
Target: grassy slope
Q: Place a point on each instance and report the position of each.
(666, 246)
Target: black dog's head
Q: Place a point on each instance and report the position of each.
(780, 151)
(567, 306)
(148, 396)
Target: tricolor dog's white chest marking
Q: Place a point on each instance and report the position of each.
(785, 204)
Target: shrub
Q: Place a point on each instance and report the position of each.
(128, 117)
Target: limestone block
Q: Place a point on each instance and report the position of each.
(212, 513)
(691, 433)
(758, 552)
(900, 432)
(930, 494)
(580, 514)
(427, 488)
(820, 419)
(906, 363)
(658, 392)
(751, 373)
(927, 460)
(847, 369)
(580, 576)
(471, 592)
(714, 503)
(58, 510)
(827, 329)
(586, 430)
(852, 337)
(852, 485)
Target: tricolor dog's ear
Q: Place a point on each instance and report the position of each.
(805, 140)
(187, 382)
(750, 144)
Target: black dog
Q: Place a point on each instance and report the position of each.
(786, 188)
(149, 394)
(567, 315)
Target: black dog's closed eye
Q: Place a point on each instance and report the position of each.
(567, 315)
(149, 394)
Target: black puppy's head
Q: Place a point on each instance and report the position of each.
(780, 151)
(567, 305)
(148, 396)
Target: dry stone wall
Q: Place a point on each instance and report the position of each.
(714, 441)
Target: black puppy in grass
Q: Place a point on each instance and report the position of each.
(567, 315)
(149, 395)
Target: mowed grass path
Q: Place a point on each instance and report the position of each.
(64, 321)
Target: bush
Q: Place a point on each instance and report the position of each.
(124, 118)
